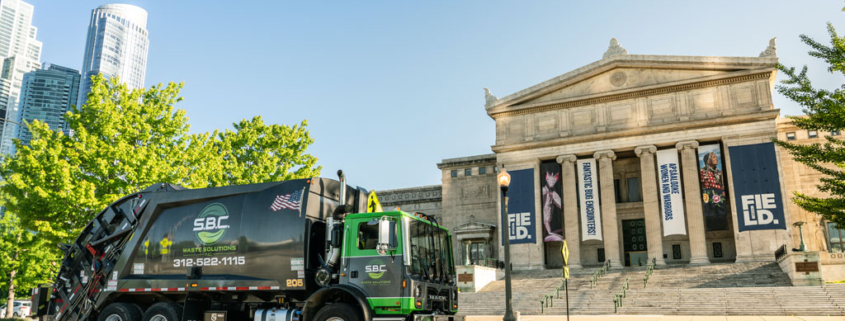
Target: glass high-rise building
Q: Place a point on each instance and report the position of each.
(116, 47)
(47, 95)
(20, 53)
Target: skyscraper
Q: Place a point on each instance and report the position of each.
(116, 47)
(46, 95)
(20, 53)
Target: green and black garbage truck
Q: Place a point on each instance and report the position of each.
(304, 250)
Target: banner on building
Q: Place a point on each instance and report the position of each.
(671, 192)
(588, 193)
(757, 187)
(712, 181)
(551, 189)
(520, 218)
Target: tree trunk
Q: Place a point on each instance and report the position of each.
(10, 302)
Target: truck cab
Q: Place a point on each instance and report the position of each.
(402, 261)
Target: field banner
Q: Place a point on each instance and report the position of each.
(757, 187)
(588, 193)
(551, 188)
(521, 208)
(712, 181)
(671, 193)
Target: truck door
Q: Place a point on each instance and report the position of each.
(380, 276)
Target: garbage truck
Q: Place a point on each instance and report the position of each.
(297, 250)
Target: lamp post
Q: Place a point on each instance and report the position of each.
(505, 180)
(799, 224)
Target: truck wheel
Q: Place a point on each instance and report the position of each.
(164, 311)
(121, 312)
(337, 312)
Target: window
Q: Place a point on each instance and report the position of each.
(812, 133)
(676, 251)
(634, 190)
(601, 255)
(467, 172)
(454, 173)
(836, 236)
(834, 132)
(616, 190)
(368, 235)
(790, 136)
(495, 169)
(482, 170)
(717, 249)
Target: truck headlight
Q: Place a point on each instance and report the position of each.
(418, 291)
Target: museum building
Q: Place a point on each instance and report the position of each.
(633, 158)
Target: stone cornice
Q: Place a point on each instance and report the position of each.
(652, 90)
(656, 129)
(414, 195)
(489, 159)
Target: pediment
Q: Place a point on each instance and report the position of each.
(623, 74)
(622, 79)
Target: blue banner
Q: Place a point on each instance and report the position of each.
(521, 208)
(757, 187)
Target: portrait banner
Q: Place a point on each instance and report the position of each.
(712, 181)
(757, 187)
(671, 193)
(520, 205)
(551, 189)
(589, 200)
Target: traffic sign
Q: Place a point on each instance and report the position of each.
(373, 204)
(566, 272)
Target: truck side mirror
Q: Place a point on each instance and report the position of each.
(386, 236)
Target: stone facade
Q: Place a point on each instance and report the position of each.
(621, 111)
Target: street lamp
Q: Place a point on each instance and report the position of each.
(801, 247)
(504, 180)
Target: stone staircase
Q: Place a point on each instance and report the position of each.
(717, 289)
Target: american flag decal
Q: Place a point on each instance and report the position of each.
(291, 201)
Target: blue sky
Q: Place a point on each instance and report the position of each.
(391, 88)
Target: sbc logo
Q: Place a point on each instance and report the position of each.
(210, 224)
(375, 269)
(756, 209)
(519, 223)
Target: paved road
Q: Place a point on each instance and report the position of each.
(656, 317)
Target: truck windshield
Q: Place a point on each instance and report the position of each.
(430, 251)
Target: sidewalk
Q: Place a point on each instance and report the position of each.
(656, 317)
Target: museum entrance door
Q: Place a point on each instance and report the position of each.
(633, 236)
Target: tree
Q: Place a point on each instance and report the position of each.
(825, 110)
(25, 261)
(125, 140)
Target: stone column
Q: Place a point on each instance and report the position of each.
(610, 229)
(570, 209)
(651, 207)
(692, 196)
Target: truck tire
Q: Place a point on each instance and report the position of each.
(164, 311)
(337, 312)
(121, 312)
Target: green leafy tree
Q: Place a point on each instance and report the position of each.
(825, 111)
(125, 140)
(25, 261)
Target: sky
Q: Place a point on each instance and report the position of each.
(391, 88)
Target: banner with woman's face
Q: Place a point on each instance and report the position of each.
(712, 180)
